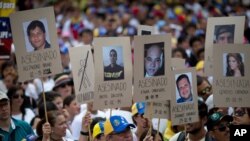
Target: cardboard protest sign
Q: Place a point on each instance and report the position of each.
(7, 7)
(113, 72)
(177, 63)
(231, 84)
(81, 59)
(146, 30)
(184, 103)
(221, 30)
(152, 65)
(5, 38)
(35, 40)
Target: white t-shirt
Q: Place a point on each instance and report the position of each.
(27, 117)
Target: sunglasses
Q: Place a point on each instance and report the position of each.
(205, 90)
(222, 127)
(239, 113)
(16, 96)
(63, 85)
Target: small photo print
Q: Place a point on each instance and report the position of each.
(224, 34)
(113, 63)
(184, 89)
(233, 65)
(154, 64)
(36, 35)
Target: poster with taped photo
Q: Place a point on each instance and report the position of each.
(113, 72)
(231, 75)
(152, 65)
(184, 103)
(35, 40)
(222, 30)
(82, 65)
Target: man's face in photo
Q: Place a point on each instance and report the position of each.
(37, 38)
(153, 60)
(184, 88)
(113, 57)
(225, 38)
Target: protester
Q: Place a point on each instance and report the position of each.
(241, 116)
(63, 85)
(19, 107)
(117, 128)
(12, 129)
(218, 126)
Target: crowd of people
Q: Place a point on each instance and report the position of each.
(22, 113)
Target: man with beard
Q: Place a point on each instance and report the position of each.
(195, 131)
(142, 123)
(218, 126)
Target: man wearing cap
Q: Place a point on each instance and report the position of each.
(142, 123)
(98, 132)
(218, 126)
(12, 129)
(224, 34)
(116, 128)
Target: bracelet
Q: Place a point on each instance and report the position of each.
(84, 133)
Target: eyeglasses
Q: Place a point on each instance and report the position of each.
(205, 90)
(16, 96)
(239, 113)
(222, 127)
(63, 85)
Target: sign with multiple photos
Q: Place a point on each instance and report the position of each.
(81, 59)
(222, 30)
(184, 103)
(35, 40)
(152, 66)
(231, 84)
(113, 72)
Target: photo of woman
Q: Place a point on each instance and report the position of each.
(235, 66)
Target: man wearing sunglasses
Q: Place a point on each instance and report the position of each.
(218, 126)
(12, 129)
(241, 116)
(204, 88)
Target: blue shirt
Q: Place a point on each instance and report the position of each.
(18, 131)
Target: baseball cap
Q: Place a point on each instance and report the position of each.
(138, 108)
(216, 118)
(3, 96)
(116, 124)
(98, 129)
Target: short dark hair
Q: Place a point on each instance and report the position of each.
(86, 31)
(68, 100)
(33, 25)
(180, 78)
(112, 50)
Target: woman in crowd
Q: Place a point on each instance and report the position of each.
(19, 109)
(54, 129)
(235, 66)
(241, 116)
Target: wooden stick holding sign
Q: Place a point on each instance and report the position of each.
(150, 118)
(45, 105)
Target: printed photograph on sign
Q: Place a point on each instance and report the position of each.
(184, 91)
(36, 35)
(221, 30)
(154, 59)
(224, 34)
(233, 64)
(113, 63)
